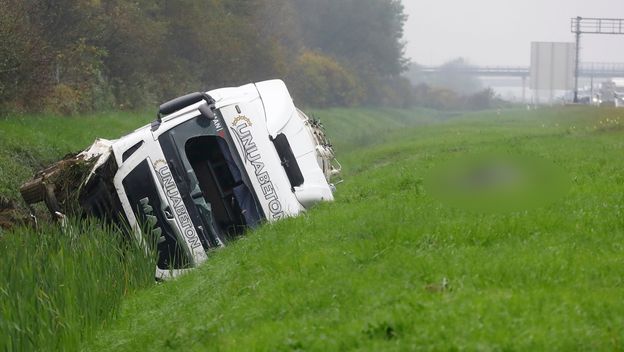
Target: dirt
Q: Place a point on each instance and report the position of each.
(11, 214)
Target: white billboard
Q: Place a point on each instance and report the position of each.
(552, 65)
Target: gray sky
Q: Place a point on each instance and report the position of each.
(499, 32)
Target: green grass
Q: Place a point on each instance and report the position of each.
(57, 286)
(28, 143)
(350, 129)
(388, 266)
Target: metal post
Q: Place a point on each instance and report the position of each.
(524, 89)
(591, 98)
(578, 59)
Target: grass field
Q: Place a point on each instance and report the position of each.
(58, 286)
(389, 267)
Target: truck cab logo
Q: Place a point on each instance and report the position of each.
(240, 118)
(218, 125)
(241, 129)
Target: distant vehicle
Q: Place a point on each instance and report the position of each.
(609, 94)
(619, 99)
(211, 165)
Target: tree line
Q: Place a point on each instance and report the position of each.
(72, 56)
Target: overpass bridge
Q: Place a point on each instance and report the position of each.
(589, 70)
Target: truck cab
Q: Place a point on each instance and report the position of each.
(211, 166)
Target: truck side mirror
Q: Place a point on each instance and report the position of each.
(206, 111)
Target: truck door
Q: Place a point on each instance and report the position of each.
(152, 201)
(214, 181)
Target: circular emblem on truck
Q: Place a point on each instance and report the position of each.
(240, 118)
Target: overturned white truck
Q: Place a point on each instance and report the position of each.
(211, 165)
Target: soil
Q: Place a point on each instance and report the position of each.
(11, 214)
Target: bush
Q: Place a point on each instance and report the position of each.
(320, 81)
(63, 100)
(446, 99)
(396, 92)
(80, 86)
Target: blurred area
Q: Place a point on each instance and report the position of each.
(496, 182)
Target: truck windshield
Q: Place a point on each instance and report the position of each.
(232, 204)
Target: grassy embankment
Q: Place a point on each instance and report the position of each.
(389, 267)
(57, 286)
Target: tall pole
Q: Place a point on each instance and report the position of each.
(578, 59)
(524, 89)
(591, 98)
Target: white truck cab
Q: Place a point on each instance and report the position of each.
(211, 165)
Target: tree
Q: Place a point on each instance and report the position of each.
(70, 56)
(365, 32)
(318, 80)
(24, 58)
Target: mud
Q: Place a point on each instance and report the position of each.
(11, 214)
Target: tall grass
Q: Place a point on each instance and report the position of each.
(58, 284)
(390, 267)
(385, 267)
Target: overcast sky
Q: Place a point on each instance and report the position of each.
(499, 32)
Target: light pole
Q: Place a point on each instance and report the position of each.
(577, 57)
